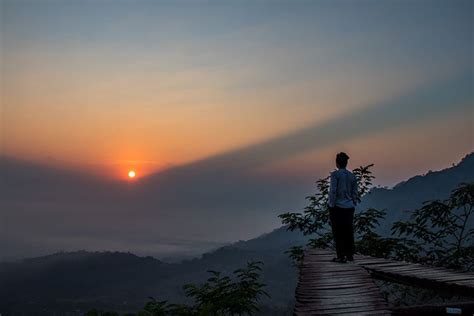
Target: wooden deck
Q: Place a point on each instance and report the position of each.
(419, 275)
(329, 288)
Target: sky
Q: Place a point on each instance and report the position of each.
(265, 92)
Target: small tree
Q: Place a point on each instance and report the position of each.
(440, 232)
(220, 295)
(314, 220)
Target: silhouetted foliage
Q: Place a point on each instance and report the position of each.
(219, 295)
(315, 220)
(438, 233)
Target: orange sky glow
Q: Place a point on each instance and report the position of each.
(121, 99)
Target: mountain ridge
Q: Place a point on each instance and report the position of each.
(80, 280)
(411, 193)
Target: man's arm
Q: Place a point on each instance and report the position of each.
(332, 190)
(354, 194)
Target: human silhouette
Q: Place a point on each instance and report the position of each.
(342, 202)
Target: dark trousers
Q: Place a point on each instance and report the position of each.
(342, 230)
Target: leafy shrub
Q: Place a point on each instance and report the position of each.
(314, 220)
(439, 233)
(219, 295)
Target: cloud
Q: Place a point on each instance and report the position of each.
(425, 102)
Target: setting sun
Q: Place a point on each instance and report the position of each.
(131, 174)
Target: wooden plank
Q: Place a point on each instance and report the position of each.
(365, 305)
(446, 276)
(422, 274)
(332, 288)
(378, 312)
(349, 311)
(329, 269)
(421, 269)
(379, 263)
(332, 304)
(318, 294)
(335, 291)
(331, 275)
(388, 264)
(328, 288)
(467, 308)
(466, 282)
(329, 279)
(419, 275)
(406, 268)
(334, 285)
(312, 302)
(340, 285)
(302, 304)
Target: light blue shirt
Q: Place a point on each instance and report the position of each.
(343, 189)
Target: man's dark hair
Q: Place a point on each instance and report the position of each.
(341, 159)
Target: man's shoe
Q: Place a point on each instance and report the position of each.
(351, 258)
(340, 260)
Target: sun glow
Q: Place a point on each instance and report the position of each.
(131, 174)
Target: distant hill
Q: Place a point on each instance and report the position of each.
(410, 194)
(56, 282)
(73, 282)
(77, 281)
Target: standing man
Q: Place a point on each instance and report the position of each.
(342, 202)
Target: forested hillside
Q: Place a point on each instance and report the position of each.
(78, 281)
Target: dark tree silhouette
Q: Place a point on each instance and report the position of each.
(439, 233)
(314, 220)
(219, 295)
